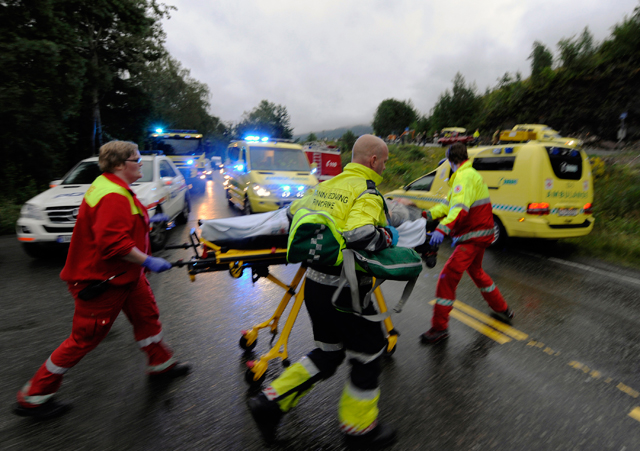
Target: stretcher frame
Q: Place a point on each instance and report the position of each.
(220, 258)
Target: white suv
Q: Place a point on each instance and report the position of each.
(51, 216)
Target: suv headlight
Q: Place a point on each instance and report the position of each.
(31, 211)
(260, 191)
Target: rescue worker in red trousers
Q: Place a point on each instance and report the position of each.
(337, 332)
(467, 217)
(111, 238)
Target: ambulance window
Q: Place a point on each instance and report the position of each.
(566, 163)
(83, 174)
(494, 164)
(423, 183)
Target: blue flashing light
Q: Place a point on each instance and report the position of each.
(555, 151)
(508, 150)
(190, 162)
(252, 138)
(159, 130)
(300, 188)
(265, 139)
(239, 167)
(286, 188)
(575, 153)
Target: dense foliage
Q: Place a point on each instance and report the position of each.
(393, 116)
(587, 89)
(267, 119)
(79, 73)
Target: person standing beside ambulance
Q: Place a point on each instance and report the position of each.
(338, 332)
(467, 217)
(110, 241)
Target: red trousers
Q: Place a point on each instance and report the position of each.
(92, 321)
(465, 257)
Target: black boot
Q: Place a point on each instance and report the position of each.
(177, 370)
(379, 437)
(266, 414)
(47, 411)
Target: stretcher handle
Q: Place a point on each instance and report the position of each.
(179, 263)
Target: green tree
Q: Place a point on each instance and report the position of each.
(576, 52)
(457, 108)
(624, 44)
(348, 139)
(265, 119)
(393, 116)
(541, 58)
(311, 138)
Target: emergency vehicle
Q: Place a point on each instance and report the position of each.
(538, 189)
(185, 149)
(50, 217)
(325, 158)
(450, 135)
(539, 132)
(263, 174)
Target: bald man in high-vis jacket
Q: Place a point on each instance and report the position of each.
(467, 217)
(338, 332)
(110, 238)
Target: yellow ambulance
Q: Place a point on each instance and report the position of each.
(263, 174)
(538, 189)
(537, 132)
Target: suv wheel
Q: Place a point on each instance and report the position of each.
(247, 206)
(158, 235)
(183, 217)
(33, 250)
(231, 204)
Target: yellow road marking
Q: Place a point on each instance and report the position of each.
(502, 327)
(628, 390)
(635, 413)
(482, 328)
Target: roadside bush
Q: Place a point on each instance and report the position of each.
(9, 213)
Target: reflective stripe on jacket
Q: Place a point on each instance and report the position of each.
(467, 213)
(111, 222)
(357, 216)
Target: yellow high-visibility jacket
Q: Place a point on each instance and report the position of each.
(467, 213)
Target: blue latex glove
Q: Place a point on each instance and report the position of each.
(159, 217)
(394, 235)
(454, 241)
(156, 264)
(436, 238)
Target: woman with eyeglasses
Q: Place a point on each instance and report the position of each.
(105, 273)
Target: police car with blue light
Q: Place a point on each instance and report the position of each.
(49, 218)
(263, 174)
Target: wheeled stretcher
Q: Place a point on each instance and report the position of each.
(224, 257)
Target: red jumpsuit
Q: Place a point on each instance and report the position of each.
(111, 221)
(468, 218)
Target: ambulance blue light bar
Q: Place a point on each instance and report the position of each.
(253, 138)
(159, 130)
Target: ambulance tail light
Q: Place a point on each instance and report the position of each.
(588, 209)
(538, 208)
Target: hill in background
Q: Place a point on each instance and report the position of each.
(338, 132)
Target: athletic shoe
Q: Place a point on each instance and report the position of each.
(47, 411)
(379, 437)
(177, 370)
(433, 336)
(266, 414)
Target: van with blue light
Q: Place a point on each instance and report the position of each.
(538, 189)
(263, 174)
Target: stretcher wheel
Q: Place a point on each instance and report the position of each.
(286, 363)
(388, 352)
(248, 377)
(247, 347)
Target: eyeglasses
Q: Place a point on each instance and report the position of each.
(135, 160)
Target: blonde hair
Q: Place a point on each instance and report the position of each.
(115, 153)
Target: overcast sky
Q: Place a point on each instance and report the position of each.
(331, 62)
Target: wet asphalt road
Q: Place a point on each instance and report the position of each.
(567, 378)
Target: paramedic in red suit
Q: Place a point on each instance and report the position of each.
(111, 238)
(467, 217)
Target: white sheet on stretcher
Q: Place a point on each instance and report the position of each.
(241, 227)
(411, 233)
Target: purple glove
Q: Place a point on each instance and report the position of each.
(156, 264)
(436, 238)
(159, 217)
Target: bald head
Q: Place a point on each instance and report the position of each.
(370, 151)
